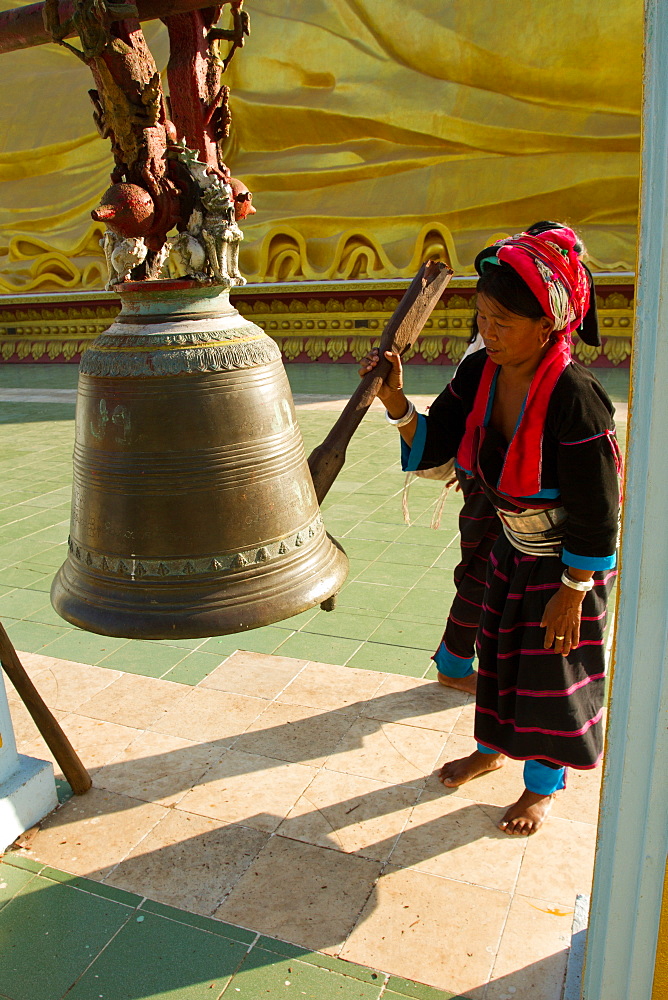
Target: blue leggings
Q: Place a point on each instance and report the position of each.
(538, 778)
(450, 664)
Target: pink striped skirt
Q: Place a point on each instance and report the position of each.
(531, 702)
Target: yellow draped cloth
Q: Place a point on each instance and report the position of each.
(373, 133)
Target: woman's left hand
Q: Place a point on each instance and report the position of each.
(561, 620)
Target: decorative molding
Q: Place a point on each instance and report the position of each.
(323, 321)
(141, 568)
(585, 354)
(617, 349)
(111, 355)
(43, 330)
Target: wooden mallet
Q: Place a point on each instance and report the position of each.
(401, 332)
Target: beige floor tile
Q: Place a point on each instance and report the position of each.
(388, 751)
(579, 800)
(66, 685)
(157, 768)
(457, 838)
(307, 895)
(294, 733)
(33, 663)
(558, 862)
(430, 929)
(245, 788)
(464, 724)
(351, 814)
(188, 861)
(91, 747)
(134, 700)
(96, 742)
(497, 788)
(91, 833)
(532, 964)
(259, 674)
(323, 685)
(424, 704)
(207, 715)
(29, 740)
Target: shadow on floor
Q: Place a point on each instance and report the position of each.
(94, 943)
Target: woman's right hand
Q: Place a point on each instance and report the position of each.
(391, 387)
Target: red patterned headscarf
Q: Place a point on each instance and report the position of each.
(550, 265)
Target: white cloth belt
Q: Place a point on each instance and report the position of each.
(534, 532)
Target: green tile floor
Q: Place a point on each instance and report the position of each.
(64, 936)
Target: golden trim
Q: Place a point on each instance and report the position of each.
(274, 288)
(315, 320)
(153, 348)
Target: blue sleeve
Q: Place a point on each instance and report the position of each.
(411, 455)
(589, 562)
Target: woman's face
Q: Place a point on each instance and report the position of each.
(511, 339)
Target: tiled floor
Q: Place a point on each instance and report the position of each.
(307, 812)
(273, 793)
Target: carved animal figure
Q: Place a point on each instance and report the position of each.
(220, 233)
(127, 209)
(222, 239)
(188, 256)
(122, 256)
(243, 199)
(161, 258)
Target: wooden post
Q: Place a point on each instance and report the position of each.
(402, 330)
(55, 738)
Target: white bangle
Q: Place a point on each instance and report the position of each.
(582, 585)
(402, 421)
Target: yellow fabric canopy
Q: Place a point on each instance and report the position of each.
(372, 133)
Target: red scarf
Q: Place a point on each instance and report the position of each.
(522, 467)
(551, 267)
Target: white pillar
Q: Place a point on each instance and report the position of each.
(633, 833)
(27, 786)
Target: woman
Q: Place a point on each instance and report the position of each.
(537, 432)
(479, 527)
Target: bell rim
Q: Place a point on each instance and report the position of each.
(212, 608)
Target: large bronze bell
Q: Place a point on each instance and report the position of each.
(193, 510)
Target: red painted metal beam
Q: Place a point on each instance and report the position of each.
(23, 27)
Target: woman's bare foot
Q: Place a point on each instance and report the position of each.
(527, 814)
(456, 772)
(466, 684)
